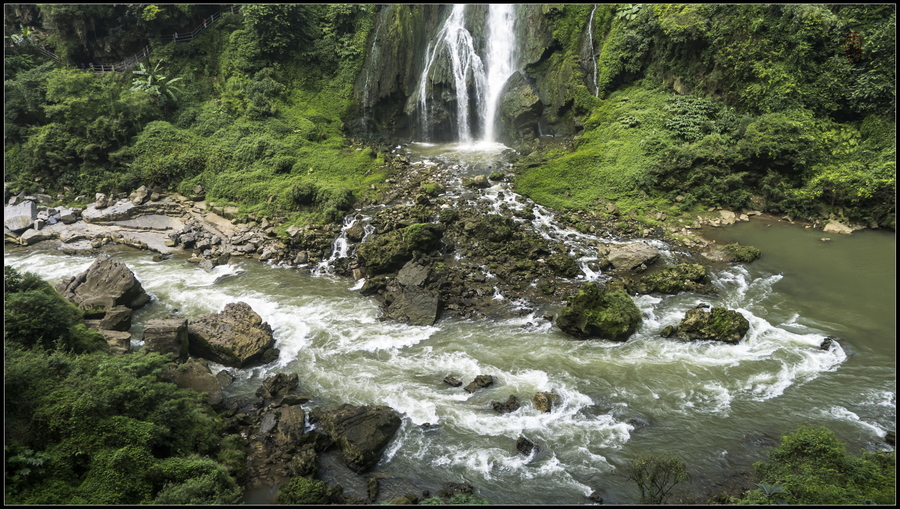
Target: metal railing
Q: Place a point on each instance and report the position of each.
(141, 55)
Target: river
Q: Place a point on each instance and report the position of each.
(716, 405)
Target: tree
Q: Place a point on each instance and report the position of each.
(656, 476)
(155, 83)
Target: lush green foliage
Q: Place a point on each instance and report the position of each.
(300, 490)
(656, 476)
(457, 499)
(769, 113)
(35, 315)
(813, 468)
(107, 430)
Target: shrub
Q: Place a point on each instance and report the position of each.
(300, 490)
(656, 476)
(813, 467)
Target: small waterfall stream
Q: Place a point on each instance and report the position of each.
(590, 30)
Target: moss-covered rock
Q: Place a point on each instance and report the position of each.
(684, 277)
(301, 490)
(595, 312)
(389, 252)
(563, 265)
(720, 324)
(739, 253)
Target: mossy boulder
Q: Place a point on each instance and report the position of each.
(719, 324)
(595, 312)
(361, 432)
(301, 490)
(738, 253)
(684, 277)
(389, 252)
(563, 265)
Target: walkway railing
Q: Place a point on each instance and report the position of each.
(141, 55)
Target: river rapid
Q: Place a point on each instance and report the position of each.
(717, 406)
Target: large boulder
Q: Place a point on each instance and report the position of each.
(410, 301)
(684, 277)
(196, 375)
(235, 337)
(278, 386)
(361, 432)
(595, 312)
(631, 256)
(167, 335)
(520, 109)
(720, 324)
(20, 217)
(389, 252)
(107, 283)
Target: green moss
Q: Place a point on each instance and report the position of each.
(675, 279)
(739, 253)
(597, 312)
(300, 490)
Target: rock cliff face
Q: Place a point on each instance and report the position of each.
(387, 89)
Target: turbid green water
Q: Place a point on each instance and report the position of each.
(715, 405)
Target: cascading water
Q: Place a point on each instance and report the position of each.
(485, 76)
(501, 64)
(593, 55)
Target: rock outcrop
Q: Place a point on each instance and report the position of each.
(361, 432)
(235, 337)
(684, 277)
(631, 256)
(595, 312)
(195, 374)
(107, 283)
(167, 335)
(719, 324)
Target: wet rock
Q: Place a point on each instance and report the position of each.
(224, 377)
(890, 438)
(389, 252)
(167, 335)
(278, 386)
(739, 253)
(719, 324)
(411, 302)
(235, 337)
(195, 374)
(543, 401)
(117, 318)
(520, 109)
(595, 312)
(20, 217)
(452, 381)
(361, 432)
(827, 342)
(524, 446)
(631, 256)
(107, 283)
(480, 382)
(684, 277)
(477, 182)
(510, 405)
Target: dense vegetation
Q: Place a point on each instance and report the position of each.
(85, 427)
(811, 466)
(254, 124)
(755, 106)
(768, 111)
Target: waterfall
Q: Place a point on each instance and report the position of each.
(454, 43)
(501, 39)
(593, 56)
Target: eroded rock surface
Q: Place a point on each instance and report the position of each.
(235, 337)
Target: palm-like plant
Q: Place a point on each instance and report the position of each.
(155, 83)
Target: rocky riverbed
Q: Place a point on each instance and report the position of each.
(441, 245)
